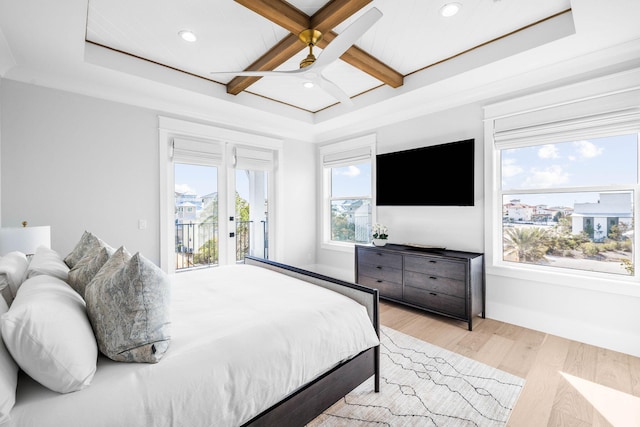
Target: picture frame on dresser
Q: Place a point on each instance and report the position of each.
(437, 280)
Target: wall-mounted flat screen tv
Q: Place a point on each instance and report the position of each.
(437, 175)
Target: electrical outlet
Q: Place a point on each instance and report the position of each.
(142, 224)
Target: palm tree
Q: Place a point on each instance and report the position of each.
(528, 244)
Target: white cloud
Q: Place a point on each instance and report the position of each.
(351, 171)
(548, 151)
(184, 188)
(510, 168)
(588, 149)
(545, 178)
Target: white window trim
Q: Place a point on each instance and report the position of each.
(621, 89)
(333, 151)
(170, 129)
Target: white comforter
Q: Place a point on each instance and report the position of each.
(243, 337)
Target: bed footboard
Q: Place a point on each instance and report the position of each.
(368, 297)
(311, 400)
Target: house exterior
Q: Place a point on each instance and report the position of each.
(596, 219)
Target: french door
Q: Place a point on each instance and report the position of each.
(221, 213)
(217, 201)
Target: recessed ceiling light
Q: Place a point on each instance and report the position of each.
(187, 35)
(450, 9)
(308, 85)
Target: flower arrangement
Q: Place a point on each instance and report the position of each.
(380, 232)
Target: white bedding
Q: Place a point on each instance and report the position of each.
(243, 337)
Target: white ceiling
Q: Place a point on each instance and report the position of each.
(134, 54)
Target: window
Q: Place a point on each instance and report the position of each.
(347, 189)
(570, 204)
(564, 181)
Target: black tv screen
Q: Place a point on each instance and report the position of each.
(438, 175)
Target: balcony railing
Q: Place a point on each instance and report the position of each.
(197, 244)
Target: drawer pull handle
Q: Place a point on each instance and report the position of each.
(432, 261)
(379, 267)
(433, 278)
(434, 294)
(379, 281)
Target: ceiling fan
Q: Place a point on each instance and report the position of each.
(311, 68)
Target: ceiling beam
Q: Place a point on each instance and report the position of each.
(362, 60)
(279, 54)
(334, 13)
(279, 12)
(294, 21)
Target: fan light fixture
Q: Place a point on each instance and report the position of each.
(308, 85)
(450, 9)
(310, 38)
(187, 36)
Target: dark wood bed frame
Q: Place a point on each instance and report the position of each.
(311, 400)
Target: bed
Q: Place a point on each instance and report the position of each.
(256, 344)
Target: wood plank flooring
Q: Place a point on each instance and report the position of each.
(567, 383)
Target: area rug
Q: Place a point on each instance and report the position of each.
(425, 385)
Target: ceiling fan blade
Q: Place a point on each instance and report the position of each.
(265, 73)
(348, 37)
(334, 90)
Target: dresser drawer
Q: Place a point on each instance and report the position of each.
(386, 288)
(436, 301)
(381, 272)
(445, 285)
(379, 258)
(435, 267)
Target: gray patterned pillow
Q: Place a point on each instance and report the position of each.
(88, 266)
(129, 309)
(87, 242)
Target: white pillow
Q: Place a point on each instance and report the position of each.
(13, 267)
(47, 332)
(8, 375)
(47, 262)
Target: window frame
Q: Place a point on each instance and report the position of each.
(603, 95)
(341, 154)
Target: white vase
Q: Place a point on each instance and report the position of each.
(379, 242)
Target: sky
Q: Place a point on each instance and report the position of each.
(203, 180)
(354, 180)
(584, 163)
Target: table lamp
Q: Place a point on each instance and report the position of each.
(24, 239)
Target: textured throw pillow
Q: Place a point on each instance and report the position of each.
(87, 242)
(47, 332)
(8, 374)
(13, 268)
(47, 262)
(129, 310)
(88, 266)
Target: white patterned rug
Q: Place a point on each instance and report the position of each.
(425, 385)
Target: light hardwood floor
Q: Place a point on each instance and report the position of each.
(567, 383)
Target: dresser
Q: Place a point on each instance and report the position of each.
(442, 281)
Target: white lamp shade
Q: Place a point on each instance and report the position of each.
(24, 239)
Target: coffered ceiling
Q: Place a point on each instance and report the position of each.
(263, 35)
(409, 62)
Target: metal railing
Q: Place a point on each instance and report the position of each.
(197, 244)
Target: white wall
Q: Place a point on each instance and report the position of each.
(80, 163)
(298, 219)
(455, 227)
